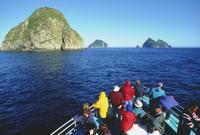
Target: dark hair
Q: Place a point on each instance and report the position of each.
(103, 129)
(90, 126)
(157, 105)
(193, 104)
(86, 108)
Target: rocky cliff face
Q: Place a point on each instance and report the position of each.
(45, 29)
(150, 43)
(98, 44)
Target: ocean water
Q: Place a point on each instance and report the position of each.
(39, 91)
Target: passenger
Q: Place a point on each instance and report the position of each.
(139, 89)
(91, 129)
(139, 112)
(116, 100)
(128, 118)
(86, 118)
(157, 91)
(190, 120)
(155, 94)
(103, 106)
(103, 129)
(128, 93)
(158, 120)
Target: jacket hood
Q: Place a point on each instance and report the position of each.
(102, 95)
(127, 83)
(102, 104)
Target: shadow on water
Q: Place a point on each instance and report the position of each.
(39, 91)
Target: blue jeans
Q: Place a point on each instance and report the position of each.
(129, 102)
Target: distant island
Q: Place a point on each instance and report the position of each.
(150, 43)
(137, 46)
(45, 29)
(98, 44)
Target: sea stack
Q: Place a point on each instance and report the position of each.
(150, 43)
(45, 29)
(98, 44)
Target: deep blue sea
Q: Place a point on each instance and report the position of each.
(39, 91)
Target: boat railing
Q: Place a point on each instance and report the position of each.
(68, 127)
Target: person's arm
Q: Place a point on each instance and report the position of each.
(133, 91)
(97, 104)
(78, 118)
(196, 117)
(188, 120)
(121, 108)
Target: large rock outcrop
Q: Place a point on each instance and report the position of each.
(45, 29)
(98, 44)
(150, 43)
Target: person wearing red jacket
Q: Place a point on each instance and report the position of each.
(128, 119)
(116, 97)
(116, 100)
(128, 93)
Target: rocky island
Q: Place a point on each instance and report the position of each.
(45, 29)
(150, 43)
(137, 46)
(98, 44)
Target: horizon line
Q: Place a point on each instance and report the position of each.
(134, 46)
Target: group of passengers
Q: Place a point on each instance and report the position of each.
(126, 106)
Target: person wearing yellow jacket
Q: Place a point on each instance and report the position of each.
(103, 105)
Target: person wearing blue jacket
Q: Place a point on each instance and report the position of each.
(139, 112)
(87, 120)
(157, 91)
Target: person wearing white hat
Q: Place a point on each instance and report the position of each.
(116, 100)
(139, 112)
(116, 88)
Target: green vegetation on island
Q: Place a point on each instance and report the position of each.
(98, 44)
(150, 43)
(45, 29)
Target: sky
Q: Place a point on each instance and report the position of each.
(120, 23)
